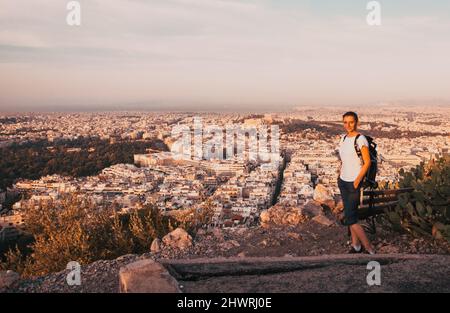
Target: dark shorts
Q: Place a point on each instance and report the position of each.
(351, 199)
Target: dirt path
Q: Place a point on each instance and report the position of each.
(332, 273)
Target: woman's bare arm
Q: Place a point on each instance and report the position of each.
(366, 159)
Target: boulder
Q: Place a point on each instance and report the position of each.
(329, 204)
(264, 217)
(322, 194)
(146, 276)
(8, 278)
(292, 218)
(338, 208)
(178, 239)
(323, 220)
(156, 245)
(281, 216)
(312, 208)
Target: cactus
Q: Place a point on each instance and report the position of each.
(426, 210)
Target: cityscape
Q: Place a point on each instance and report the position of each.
(237, 189)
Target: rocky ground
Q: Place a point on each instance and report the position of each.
(309, 238)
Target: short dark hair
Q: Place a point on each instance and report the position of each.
(350, 113)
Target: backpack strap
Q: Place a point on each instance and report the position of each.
(358, 151)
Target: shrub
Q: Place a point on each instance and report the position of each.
(426, 210)
(74, 229)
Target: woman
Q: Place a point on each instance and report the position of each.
(351, 176)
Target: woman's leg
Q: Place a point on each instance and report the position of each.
(355, 241)
(358, 234)
(361, 236)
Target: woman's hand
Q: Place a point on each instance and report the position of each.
(356, 183)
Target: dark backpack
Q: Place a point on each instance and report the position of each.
(369, 180)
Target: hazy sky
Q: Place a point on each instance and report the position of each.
(219, 53)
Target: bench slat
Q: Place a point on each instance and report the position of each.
(386, 192)
(365, 212)
(379, 200)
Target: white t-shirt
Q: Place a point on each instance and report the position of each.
(351, 163)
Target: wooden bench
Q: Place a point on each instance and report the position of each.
(376, 202)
